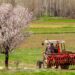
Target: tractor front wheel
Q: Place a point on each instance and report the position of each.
(39, 64)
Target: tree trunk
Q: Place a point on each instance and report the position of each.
(6, 57)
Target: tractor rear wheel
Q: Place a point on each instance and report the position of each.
(64, 66)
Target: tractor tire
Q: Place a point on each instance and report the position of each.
(49, 66)
(46, 65)
(64, 66)
(57, 66)
(39, 64)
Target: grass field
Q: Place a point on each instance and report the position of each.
(31, 49)
(48, 25)
(38, 72)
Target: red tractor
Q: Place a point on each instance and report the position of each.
(60, 58)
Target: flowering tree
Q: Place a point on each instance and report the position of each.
(13, 27)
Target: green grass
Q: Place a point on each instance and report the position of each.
(53, 25)
(31, 49)
(53, 30)
(28, 56)
(54, 19)
(38, 72)
(35, 49)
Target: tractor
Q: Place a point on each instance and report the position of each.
(59, 58)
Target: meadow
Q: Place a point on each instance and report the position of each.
(48, 25)
(31, 50)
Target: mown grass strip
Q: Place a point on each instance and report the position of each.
(54, 19)
(53, 30)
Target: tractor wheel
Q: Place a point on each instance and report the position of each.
(57, 66)
(39, 64)
(64, 66)
(49, 66)
(46, 65)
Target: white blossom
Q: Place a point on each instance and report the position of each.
(12, 21)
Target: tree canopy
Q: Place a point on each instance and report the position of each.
(12, 21)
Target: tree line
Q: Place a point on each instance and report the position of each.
(65, 8)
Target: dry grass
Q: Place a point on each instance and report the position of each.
(51, 25)
(36, 39)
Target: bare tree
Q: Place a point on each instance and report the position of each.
(13, 2)
(13, 27)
